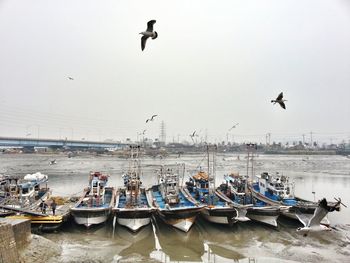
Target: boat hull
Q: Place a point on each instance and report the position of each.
(265, 215)
(89, 217)
(222, 215)
(134, 224)
(182, 219)
(133, 219)
(307, 209)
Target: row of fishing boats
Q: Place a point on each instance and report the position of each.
(238, 199)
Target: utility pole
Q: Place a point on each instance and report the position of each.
(162, 132)
(268, 138)
(311, 137)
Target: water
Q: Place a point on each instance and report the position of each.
(327, 176)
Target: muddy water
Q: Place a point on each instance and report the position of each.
(327, 176)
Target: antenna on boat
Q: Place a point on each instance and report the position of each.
(251, 147)
(208, 162)
(214, 164)
(183, 174)
(211, 171)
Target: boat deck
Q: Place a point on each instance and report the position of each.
(94, 203)
(124, 201)
(273, 197)
(205, 200)
(182, 204)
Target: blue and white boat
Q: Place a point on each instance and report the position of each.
(235, 190)
(216, 210)
(173, 205)
(95, 206)
(278, 190)
(23, 193)
(132, 208)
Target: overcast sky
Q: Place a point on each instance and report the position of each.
(214, 63)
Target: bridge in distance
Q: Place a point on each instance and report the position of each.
(57, 143)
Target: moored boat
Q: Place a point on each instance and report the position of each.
(95, 205)
(172, 203)
(236, 190)
(278, 190)
(25, 199)
(201, 187)
(215, 209)
(133, 209)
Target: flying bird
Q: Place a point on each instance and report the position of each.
(152, 118)
(313, 224)
(144, 131)
(234, 126)
(148, 33)
(193, 134)
(70, 78)
(280, 101)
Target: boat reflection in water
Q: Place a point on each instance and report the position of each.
(134, 246)
(173, 245)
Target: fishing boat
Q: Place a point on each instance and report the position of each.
(278, 190)
(95, 205)
(235, 190)
(201, 187)
(172, 203)
(133, 208)
(23, 198)
(5, 190)
(17, 192)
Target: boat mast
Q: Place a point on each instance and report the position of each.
(209, 188)
(214, 168)
(250, 149)
(211, 172)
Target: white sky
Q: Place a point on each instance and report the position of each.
(213, 64)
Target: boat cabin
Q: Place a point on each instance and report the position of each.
(275, 187)
(97, 183)
(168, 186)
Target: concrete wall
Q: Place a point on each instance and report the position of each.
(14, 235)
(8, 249)
(22, 231)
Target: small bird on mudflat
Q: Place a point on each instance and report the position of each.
(148, 33)
(152, 118)
(280, 101)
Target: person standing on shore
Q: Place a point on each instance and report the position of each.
(53, 207)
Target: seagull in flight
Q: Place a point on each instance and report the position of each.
(144, 131)
(148, 33)
(313, 224)
(152, 118)
(70, 78)
(52, 162)
(192, 135)
(280, 101)
(234, 126)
